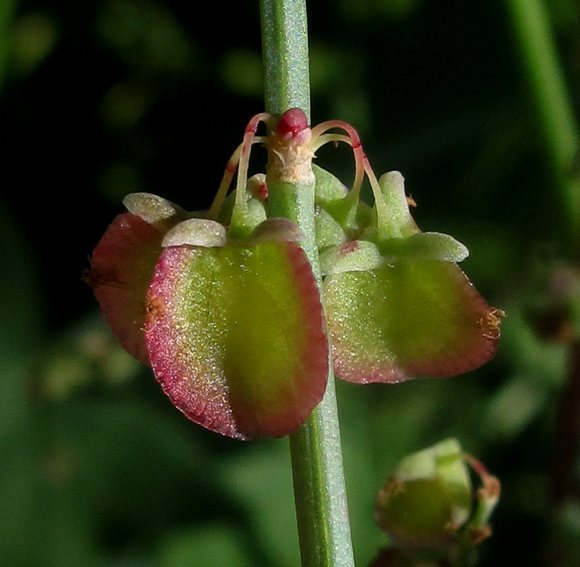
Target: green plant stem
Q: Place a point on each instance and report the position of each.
(316, 454)
(285, 53)
(532, 31)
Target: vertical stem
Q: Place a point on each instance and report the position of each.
(317, 467)
(532, 31)
(285, 53)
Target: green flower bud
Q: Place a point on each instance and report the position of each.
(428, 498)
(429, 509)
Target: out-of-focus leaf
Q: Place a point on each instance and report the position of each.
(147, 36)
(20, 331)
(242, 72)
(18, 494)
(124, 106)
(262, 480)
(544, 362)
(565, 534)
(34, 36)
(370, 10)
(20, 346)
(135, 452)
(514, 406)
(209, 545)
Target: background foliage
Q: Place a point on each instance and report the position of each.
(104, 97)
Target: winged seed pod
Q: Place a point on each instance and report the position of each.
(226, 309)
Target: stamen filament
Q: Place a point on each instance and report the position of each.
(241, 200)
(320, 138)
(226, 181)
(381, 206)
(324, 139)
(362, 164)
(239, 161)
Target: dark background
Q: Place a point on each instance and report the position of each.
(102, 98)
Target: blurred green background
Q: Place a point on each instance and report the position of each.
(103, 97)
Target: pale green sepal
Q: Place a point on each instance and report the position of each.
(425, 463)
(400, 222)
(328, 231)
(364, 215)
(444, 462)
(244, 220)
(435, 246)
(344, 207)
(328, 188)
(346, 213)
(151, 208)
(256, 212)
(247, 217)
(424, 246)
(356, 256)
(196, 232)
(277, 229)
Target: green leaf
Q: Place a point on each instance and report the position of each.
(261, 481)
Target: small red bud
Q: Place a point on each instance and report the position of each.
(292, 122)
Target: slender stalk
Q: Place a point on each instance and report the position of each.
(285, 53)
(319, 487)
(532, 31)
